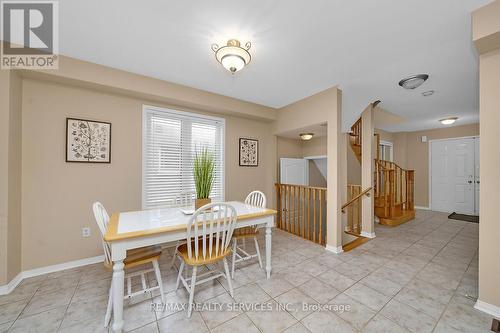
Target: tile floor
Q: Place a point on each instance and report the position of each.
(413, 278)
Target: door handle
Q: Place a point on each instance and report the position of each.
(470, 181)
(477, 181)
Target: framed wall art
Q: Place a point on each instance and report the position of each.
(249, 152)
(88, 141)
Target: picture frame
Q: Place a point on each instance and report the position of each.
(248, 152)
(88, 141)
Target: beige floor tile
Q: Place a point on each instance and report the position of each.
(319, 291)
(326, 322)
(357, 314)
(460, 316)
(10, 311)
(240, 323)
(296, 303)
(367, 296)
(219, 310)
(408, 317)
(43, 322)
(380, 324)
(251, 294)
(149, 328)
(44, 302)
(336, 280)
(272, 318)
(275, 286)
(21, 292)
(386, 287)
(179, 322)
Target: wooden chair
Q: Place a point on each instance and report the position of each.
(182, 200)
(255, 198)
(140, 256)
(209, 233)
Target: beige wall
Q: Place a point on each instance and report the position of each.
(10, 175)
(316, 178)
(57, 196)
(417, 154)
(489, 227)
(315, 147)
(489, 84)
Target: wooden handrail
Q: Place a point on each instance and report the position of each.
(302, 186)
(350, 202)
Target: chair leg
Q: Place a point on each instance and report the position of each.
(159, 280)
(175, 255)
(107, 318)
(179, 275)
(228, 278)
(233, 263)
(258, 251)
(191, 291)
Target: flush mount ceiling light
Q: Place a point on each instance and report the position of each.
(448, 121)
(428, 93)
(232, 56)
(414, 81)
(306, 136)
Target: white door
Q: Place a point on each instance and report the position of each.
(476, 176)
(294, 171)
(452, 175)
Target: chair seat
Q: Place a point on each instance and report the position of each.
(182, 250)
(246, 232)
(140, 256)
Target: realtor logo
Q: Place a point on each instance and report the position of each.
(30, 34)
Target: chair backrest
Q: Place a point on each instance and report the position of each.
(102, 219)
(210, 229)
(256, 198)
(184, 199)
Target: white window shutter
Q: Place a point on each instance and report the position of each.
(170, 142)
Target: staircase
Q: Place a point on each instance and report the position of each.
(393, 185)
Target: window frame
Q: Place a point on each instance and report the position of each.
(156, 109)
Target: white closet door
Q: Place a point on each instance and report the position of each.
(452, 175)
(294, 171)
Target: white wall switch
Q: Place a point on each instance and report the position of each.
(424, 138)
(86, 232)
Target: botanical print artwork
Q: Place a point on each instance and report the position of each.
(88, 141)
(249, 152)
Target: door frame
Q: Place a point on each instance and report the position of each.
(388, 144)
(430, 160)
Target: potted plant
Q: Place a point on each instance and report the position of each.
(203, 171)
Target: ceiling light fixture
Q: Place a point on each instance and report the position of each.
(448, 121)
(232, 56)
(428, 93)
(306, 136)
(414, 81)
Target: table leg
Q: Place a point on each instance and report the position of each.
(118, 282)
(268, 250)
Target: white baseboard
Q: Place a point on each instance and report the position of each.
(488, 308)
(334, 249)
(7, 288)
(368, 234)
(422, 208)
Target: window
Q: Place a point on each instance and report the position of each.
(170, 141)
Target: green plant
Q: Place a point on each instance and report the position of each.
(203, 170)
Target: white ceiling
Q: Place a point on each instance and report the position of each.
(299, 48)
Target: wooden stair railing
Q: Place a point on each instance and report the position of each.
(353, 208)
(355, 138)
(394, 192)
(302, 211)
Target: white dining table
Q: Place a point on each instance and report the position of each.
(132, 230)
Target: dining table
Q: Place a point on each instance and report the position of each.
(136, 229)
